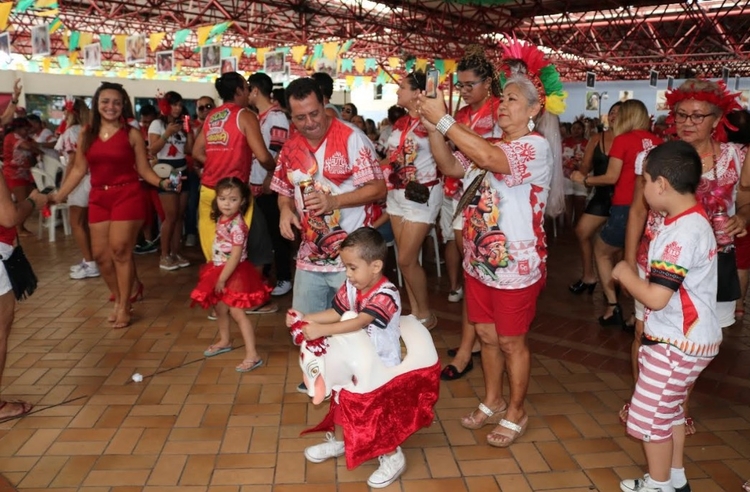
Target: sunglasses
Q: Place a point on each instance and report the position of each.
(207, 106)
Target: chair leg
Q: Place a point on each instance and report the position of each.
(51, 223)
(437, 250)
(398, 269)
(66, 221)
(40, 226)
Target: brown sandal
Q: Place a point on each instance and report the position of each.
(472, 421)
(507, 432)
(24, 407)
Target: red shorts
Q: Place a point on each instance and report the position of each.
(510, 310)
(742, 250)
(118, 203)
(15, 183)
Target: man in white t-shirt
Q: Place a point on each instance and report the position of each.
(43, 136)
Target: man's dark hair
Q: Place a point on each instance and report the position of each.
(741, 121)
(148, 110)
(34, 117)
(227, 85)
(395, 113)
(678, 162)
(369, 243)
(301, 88)
(263, 83)
(325, 82)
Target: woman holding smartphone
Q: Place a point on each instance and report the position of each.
(169, 141)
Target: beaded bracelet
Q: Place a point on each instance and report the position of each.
(445, 123)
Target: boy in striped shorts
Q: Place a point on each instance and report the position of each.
(681, 333)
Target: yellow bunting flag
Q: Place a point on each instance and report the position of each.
(450, 66)
(202, 33)
(298, 52)
(359, 65)
(73, 57)
(121, 40)
(85, 39)
(4, 13)
(330, 50)
(150, 72)
(237, 53)
(421, 64)
(350, 81)
(123, 74)
(393, 62)
(46, 63)
(260, 55)
(155, 39)
(66, 39)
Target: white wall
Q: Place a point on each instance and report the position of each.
(78, 85)
(364, 98)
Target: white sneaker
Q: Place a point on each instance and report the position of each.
(87, 270)
(329, 449)
(282, 288)
(456, 295)
(77, 266)
(191, 240)
(639, 485)
(391, 467)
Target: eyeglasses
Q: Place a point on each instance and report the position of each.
(207, 106)
(346, 110)
(695, 118)
(468, 85)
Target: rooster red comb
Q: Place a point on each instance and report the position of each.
(715, 93)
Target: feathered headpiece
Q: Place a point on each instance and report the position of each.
(164, 107)
(540, 71)
(69, 104)
(720, 97)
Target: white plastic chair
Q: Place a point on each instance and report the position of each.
(44, 180)
(435, 246)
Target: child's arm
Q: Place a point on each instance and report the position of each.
(315, 330)
(229, 267)
(327, 316)
(652, 295)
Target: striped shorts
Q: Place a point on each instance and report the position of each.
(665, 376)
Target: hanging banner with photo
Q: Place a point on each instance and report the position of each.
(165, 61)
(211, 56)
(92, 56)
(40, 45)
(135, 49)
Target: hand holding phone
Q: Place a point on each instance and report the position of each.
(432, 82)
(175, 178)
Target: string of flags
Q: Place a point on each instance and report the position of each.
(327, 56)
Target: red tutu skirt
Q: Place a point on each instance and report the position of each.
(244, 289)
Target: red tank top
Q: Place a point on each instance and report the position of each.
(227, 152)
(8, 235)
(112, 162)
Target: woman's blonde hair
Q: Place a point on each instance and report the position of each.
(633, 115)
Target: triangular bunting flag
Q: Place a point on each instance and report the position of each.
(394, 62)
(409, 65)
(359, 65)
(155, 39)
(346, 46)
(121, 40)
(350, 81)
(180, 37)
(54, 25)
(86, 39)
(449, 66)
(440, 66)
(346, 64)
(4, 13)
(237, 53)
(63, 61)
(202, 33)
(46, 62)
(219, 29)
(248, 51)
(298, 52)
(260, 55)
(330, 50)
(226, 51)
(23, 6)
(75, 37)
(73, 57)
(421, 64)
(370, 64)
(106, 41)
(150, 72)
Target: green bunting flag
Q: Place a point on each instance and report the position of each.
(180, 37)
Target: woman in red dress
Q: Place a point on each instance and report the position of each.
(115, 155)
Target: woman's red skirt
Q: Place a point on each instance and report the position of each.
(245, 288)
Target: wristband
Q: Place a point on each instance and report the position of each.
(445, 123)
(585, 181)
(14, 101)
(32, 202)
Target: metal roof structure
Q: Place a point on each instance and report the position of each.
(615, 39)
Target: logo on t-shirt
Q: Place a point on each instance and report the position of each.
(672, 252)
(216, 135)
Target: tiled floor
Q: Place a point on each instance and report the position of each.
(197, 425)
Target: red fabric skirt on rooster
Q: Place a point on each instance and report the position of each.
(244, 289)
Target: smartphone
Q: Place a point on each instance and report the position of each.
(47, 190)
(174, 179)
(431, 85)
(186, 123)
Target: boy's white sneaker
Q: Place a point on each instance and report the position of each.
(640, 485)
(329, 449)
(391, 467)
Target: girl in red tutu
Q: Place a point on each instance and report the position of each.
(230, 282)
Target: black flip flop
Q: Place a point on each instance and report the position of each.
(451, 373)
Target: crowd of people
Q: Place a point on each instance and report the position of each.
(264, 179)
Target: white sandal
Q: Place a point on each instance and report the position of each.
(493, 417)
